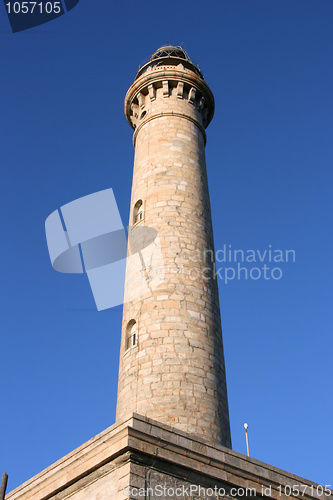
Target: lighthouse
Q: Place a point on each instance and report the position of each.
(171, 358)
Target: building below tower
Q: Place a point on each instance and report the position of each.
(142, 458)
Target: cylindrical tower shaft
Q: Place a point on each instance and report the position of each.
(171, 358)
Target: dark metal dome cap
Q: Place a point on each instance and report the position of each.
(168, 54)
(170, 51)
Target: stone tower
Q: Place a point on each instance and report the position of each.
(171, 357)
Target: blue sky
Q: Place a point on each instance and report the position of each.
(269, 159)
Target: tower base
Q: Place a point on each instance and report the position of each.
(142, 458)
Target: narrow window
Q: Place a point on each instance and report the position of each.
(138, 212)
(131, 334)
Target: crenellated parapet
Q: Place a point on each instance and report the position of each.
(169, 88)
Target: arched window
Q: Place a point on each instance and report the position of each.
(138, 212)
(131, 334)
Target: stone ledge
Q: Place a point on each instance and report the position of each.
(148, 439)
(217, 462)
(88, 457)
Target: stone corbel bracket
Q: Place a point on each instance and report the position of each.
(143, 101)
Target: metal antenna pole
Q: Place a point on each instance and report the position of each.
(3, 486)
(247, 439)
